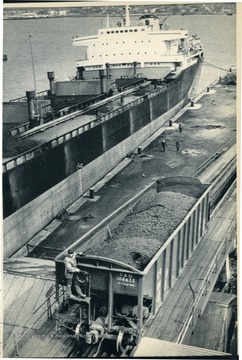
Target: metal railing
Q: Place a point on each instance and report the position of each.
(24, 98)
(199, 170)
(202, 291)
(30, 154)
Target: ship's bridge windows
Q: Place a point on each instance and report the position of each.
(121, 31)
(126, 31)
(112, 32)
(135, 30)
(108, 32)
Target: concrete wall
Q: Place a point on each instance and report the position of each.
(81, 87)
(22, 225)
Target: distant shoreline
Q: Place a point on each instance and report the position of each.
(100, 15)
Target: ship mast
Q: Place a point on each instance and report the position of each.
(33, 69)
(107, 21)
(127, 19)
(32, 60)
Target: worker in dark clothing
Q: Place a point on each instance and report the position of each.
(163, 144)
(180, 127)
(178, 144)
(70, 269)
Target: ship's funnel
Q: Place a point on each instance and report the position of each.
(107, 70)
(51, 77)
(102, 77)
(31, 109)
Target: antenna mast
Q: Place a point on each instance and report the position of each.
(127, 20)
(32, 59)
(35, 88)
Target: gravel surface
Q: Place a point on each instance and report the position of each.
(141, 234)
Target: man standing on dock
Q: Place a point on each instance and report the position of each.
(178, 144)
(70, 269)
(180, 126)
(163, 144)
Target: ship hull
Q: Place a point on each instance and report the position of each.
(37, 191)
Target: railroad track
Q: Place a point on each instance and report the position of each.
(201, 168)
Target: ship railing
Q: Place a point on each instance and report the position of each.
(38, 150)
(24, 98)
(9, 164)
(198, 304)
(17, 130)
(31, 329)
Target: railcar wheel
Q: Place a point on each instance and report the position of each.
(119, 341)
(80, 331)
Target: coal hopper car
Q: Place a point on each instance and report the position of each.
(131, 261)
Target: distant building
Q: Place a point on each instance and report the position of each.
(52, 12)
(62, 12)
(29, 15)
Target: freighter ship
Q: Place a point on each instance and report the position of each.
(144, 50)
(141, 75)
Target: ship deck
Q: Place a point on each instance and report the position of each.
(68, 123)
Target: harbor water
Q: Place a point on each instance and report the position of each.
(52, 49)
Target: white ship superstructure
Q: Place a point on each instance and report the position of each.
(145, 50)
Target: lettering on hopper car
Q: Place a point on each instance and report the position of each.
(126, 279)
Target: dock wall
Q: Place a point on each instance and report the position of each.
(36, 191)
